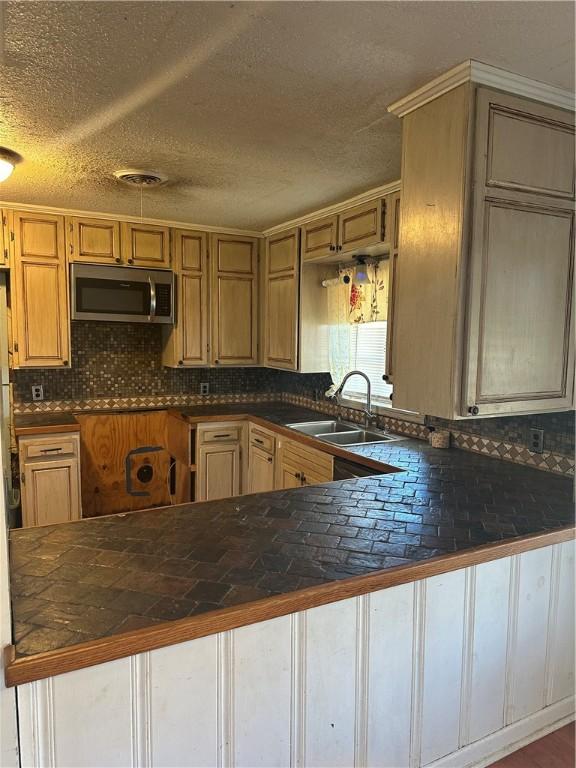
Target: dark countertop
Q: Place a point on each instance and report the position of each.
(38, 423)
(95, 578)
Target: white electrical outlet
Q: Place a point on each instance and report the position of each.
(204, 388)
(37, 392)
(537, 440)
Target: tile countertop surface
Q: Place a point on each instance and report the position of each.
(99, 577)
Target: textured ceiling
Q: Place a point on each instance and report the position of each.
(257, 112)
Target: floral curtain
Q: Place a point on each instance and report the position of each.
(351, 303)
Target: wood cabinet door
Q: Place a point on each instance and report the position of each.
(320, 238)
(5, 238)
(234, 300)
(50, 492)
(392, 234)
(186, 342)
(96, 241)
(40, 319)
(282, 282)
(145, 245)
(361, 226)
(527, 148)
(288, 477)
(260, 471)
(520, 352)
(218, 471)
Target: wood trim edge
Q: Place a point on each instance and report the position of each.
(19, 671)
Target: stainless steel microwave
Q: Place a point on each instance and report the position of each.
(121, 294)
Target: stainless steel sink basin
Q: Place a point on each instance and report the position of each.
(341, 433)
(317, 428)
(358, 437)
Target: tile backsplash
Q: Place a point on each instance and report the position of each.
(111, 360)
(558, 429)
(125, 360)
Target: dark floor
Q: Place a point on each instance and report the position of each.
(556, 750)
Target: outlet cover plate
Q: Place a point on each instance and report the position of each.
(204, 388)
(537, 440)
(37, 392)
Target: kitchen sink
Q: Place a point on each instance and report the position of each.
(317, 428)
(358, 437)
(341, 433)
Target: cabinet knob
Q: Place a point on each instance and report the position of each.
(180, 362)
(64, 362)
(117, 259)
(130, 261)
(474, 410)
(216, 362)
(385, 377)
(269, 459)
(297, 475)
(332, 247)
(303, 479)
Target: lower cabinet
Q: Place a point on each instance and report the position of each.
(218, 473)
(261, 461)
(50, 479)
(219, 461)
(273, 463)
(298, 465)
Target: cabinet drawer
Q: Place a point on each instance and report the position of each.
(36, 448)
(262, 440)
(219, 434)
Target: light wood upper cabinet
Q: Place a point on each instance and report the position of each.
(282, 285)
(40, 319)
(186, 342)
(234, 300)
(320, 238)
(93, 240)
(146, 245)
(483, 312)
(392, 232)
(367, 227)
(361, 226)
(50, 479)
(519, 354)
(5, 238)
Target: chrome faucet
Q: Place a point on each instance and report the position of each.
(370, 417)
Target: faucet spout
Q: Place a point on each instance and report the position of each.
(368, 411)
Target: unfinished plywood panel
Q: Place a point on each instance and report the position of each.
(106, 441)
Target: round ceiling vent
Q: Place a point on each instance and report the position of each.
(138, 178)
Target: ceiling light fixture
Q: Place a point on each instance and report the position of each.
(8, 159)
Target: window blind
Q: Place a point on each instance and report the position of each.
(368, 353)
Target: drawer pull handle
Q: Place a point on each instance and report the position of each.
(257, 440)
(220, 436)
(50, 450)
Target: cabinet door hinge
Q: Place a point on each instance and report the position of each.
(22, 478)
(4, 219)
(15, 346)
(12, 235)
(6, 254)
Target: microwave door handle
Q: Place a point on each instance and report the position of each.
(152, 298)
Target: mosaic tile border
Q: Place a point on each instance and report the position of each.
(518, 454)
(155, 401)
(514, 452)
